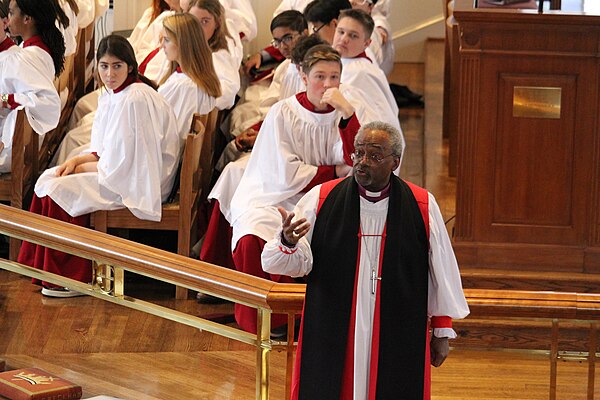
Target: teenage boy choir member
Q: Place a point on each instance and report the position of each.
(286, 28)
(323, 17)
(351, 39)
(215, 248)
(382, 45)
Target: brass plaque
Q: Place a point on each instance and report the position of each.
(536, 102)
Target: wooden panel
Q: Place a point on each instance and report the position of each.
(520, 172)
(525, 181)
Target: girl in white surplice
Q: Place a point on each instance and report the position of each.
(131, 163)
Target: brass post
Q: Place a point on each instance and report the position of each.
(263, 348)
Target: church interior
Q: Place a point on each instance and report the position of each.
(505, 138)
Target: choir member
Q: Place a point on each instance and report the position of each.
(27, 71)
(193, 85)
(131, 163)
(227, 50)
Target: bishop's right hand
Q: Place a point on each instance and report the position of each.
(291, 232)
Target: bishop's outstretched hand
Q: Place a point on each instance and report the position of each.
(292, 231)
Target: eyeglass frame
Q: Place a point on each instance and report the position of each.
(374, 158)
(286, 39)
(315, 31)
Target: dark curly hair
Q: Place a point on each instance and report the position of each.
(45, 14)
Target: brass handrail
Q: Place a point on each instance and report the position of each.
(113, 255)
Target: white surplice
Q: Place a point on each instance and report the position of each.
(232, 172)
(87, 12)
(445, 294)
(28, 73)
(70, 32)
(383, 53)
(243, 17)
(292, 142)
(366, 76)
(186, 98)
(227, 66)
(286, 82)
(135, 135)
(140, 28)
(150, 38)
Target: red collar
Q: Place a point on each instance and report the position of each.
(385, 193)
(6, 44)
(363, 55)
(304, 102)
(130, 79)
(36, 41)
(149, 57)
(178, 69)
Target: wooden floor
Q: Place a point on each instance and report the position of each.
(118, 352)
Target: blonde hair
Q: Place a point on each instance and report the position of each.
(320, 52)
(195, 57)
(218, 41)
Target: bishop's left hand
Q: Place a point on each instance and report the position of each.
(292, 231)
(439, 349)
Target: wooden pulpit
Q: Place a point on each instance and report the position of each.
(528, 152)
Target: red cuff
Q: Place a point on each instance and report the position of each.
(348, 130)
(96, 155)
(287, 250)
(12, 104)
(274, 52)
(324, 174)
(441, 322)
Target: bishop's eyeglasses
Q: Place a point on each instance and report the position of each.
(374, 158)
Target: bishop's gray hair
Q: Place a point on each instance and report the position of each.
(395, 136)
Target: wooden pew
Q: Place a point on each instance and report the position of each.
(180, 215)
(75, 79)
(17, 185)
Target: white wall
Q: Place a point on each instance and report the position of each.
(128, 12)
(405, 14)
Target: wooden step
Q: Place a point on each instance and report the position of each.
(519, 334)
(489, 278)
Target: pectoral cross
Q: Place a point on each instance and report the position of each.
(374, 279)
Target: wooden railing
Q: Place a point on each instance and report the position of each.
(113, 255)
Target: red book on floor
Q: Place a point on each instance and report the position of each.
(36, 384)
